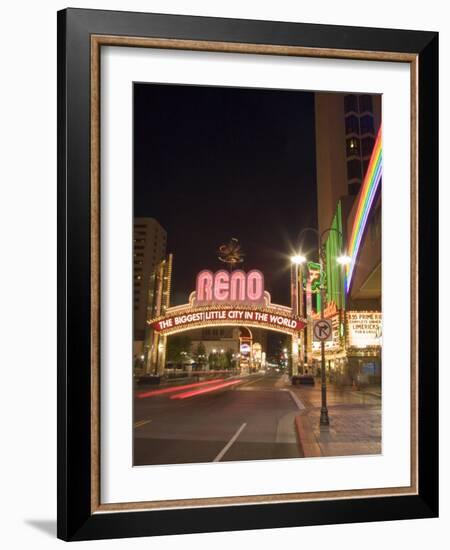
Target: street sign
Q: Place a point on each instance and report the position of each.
(323, 330)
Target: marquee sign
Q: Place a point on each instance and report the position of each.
(363, 329)
(194, 317)
(228, 298)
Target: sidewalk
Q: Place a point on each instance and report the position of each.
(373, 390)
(355, 422)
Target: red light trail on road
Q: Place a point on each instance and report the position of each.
(176, 388)
(193, 393)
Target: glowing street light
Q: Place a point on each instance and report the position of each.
(297, 262)
(298, 259)
(344, 259)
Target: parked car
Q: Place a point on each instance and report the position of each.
(303, 379)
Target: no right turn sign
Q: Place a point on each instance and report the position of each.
(323, 330)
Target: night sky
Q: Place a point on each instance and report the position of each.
(211, 163)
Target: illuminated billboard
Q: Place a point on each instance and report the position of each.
(363, 329)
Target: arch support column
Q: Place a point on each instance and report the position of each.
(161, 363)
(295, 353)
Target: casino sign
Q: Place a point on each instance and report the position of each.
(228, 298)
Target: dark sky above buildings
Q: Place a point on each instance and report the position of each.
(211, 163)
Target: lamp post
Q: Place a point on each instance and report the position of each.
(297, 309)
(343, 259)
(324, 418)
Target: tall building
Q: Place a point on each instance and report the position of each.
(149, 248)
(346, 126)
(362, 120)
(346, 130)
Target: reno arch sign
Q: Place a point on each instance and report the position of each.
(228, 298)
(229, 287)
(190, 318)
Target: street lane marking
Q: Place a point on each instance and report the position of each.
(140, 423)
(296, 400)
(245, 384)
(254, 380)
(228, 445)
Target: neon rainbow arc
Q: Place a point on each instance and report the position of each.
(369, 189)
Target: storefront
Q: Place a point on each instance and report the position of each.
(363, 340)
(335, 353)
(353, 356)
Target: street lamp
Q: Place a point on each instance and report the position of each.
(343, 260)
(297, 259)
(297, 262)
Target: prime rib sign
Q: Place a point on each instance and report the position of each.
(229, 298)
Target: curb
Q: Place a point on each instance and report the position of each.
(306, 439)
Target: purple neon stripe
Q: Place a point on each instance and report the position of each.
(360, 210)
(362, 225)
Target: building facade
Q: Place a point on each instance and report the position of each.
(149, 249)
(216, 339)
(346, 132)
(346, 127)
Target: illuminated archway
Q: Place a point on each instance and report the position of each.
(257, 312)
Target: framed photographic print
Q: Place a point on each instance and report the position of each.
(247, 274)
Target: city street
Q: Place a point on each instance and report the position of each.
(254, 417)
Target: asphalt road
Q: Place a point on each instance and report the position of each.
(252, 420)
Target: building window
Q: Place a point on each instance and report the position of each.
(365, 166)
(354, 169)
(351, 125)
(367, 146)
(350, 103)
(352, 147)
(353, 188)
(367, 124)
(365, 103)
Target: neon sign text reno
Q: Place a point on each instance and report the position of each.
(235, 286)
